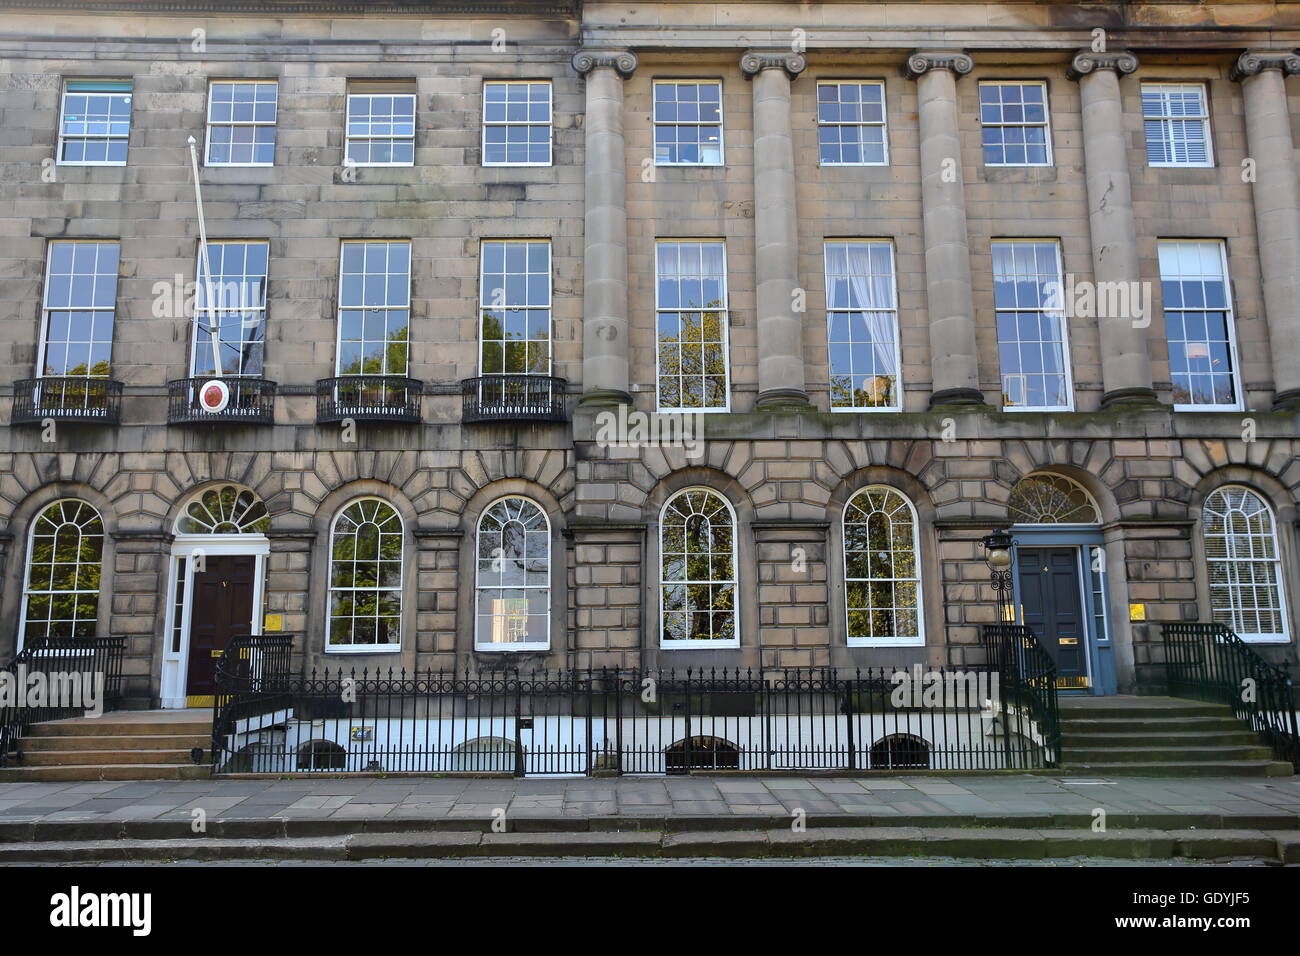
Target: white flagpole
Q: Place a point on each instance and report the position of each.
(213, 328)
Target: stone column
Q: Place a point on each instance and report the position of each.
(776, 229)
(1263, 74)
(604, 284)
(954, 363)
(1125, 364)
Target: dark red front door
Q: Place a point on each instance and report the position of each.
(221, 609)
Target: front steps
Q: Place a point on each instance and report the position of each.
(134, 745)
(1160, 737)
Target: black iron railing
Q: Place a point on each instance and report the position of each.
(251, 401)
(610, 722)
(498, 398)
(251, 677)
(74, 675)
(67, 399)
(373, 398)
(1028, 682)
(1210, 662)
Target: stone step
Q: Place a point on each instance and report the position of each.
(66, 758)
(160, 742)
(78, 772)
(1071, 739)
(1208, 768)
(108, 727)
(1106, 754)
(990, 843)
(1114, 708)
(1124, 725)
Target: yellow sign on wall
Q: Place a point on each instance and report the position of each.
(1137, 612)
(273, 622)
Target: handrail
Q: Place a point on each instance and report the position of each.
(1028, 677)
(1209, 661)
(58, 660)
(250, 678)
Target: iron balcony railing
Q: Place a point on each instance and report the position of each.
(606, 722)
(1028, 676)
(1210, 662)
(372, 398)
(501, 398)
(75, 674)
(252, 401)
(69, 398)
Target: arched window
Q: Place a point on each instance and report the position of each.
(882, 573)
(61, 589)
(1245, 571)
(366, 578)
(1051, 499)
(697, 559)
(513, 577)
(900, 752)
(226, 509)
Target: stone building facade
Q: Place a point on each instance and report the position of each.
(786, 462)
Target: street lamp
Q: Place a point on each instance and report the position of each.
(997, 552)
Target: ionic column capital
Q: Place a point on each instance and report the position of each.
(1122, 62)
(622, 61)
(1254, 62)
(753, 62)
(923, 61)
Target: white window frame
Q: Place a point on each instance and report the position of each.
(883, 124)
(734, 581)
(485, 298)
(1046, 125)
(1284, 636)
(895, 641)
(46, 309)
(726, 331)
(479, 589)
(204, 315)
(897, 406)
(549, 124)
(1066, 361)
(341, 308)
(1237, 381)
(721, 124)
(27, 567)
(63, 107)
(348, 138)
(1168, 120)
(400, 590)
(207, 144)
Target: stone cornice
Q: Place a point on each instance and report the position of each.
(923, 61)
(752, 62)
(1086, 61)
(624, 61)
(1254, 62)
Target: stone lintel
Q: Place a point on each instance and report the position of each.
(1086, 61)
(624, 62)
(1254, 62)
(752, 62)
(923, 61)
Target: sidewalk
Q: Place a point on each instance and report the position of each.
(1027, 816)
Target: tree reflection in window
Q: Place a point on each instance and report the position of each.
(365, 577)
(882, 577)
(698, 569)
(64, 561)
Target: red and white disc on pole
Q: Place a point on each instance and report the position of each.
(214, 395)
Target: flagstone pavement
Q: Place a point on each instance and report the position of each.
(947, 801)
